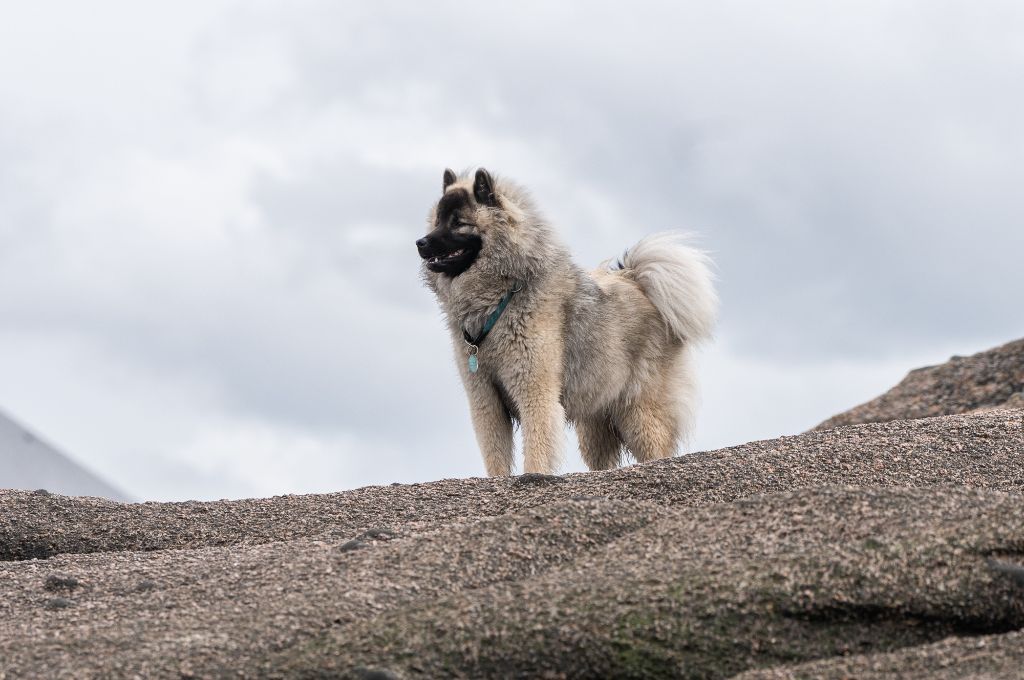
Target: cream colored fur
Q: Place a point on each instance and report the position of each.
(608, 351)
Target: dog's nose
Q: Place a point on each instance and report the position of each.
(425, 246)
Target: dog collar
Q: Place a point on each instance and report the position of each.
(474, 342)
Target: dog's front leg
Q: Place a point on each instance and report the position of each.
(492, 425)
(543, 431)
(537, 392)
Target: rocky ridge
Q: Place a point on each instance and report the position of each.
(985, 381)
(884, 549)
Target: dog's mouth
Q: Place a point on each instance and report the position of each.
(452, 259)
(443, 259)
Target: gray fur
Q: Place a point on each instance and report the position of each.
(607, 351)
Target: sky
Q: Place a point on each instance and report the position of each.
(208, 283)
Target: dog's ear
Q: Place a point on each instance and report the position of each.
(449, 179)
(483, 188)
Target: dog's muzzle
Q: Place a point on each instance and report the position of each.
(450, 256)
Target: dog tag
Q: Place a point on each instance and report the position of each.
(474, 365)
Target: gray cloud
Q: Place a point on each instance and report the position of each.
(859, 162)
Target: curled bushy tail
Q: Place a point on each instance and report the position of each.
(677, 279)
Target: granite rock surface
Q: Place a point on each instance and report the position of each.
(885, 549)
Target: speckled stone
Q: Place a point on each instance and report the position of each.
(890, 549)
(987, 380)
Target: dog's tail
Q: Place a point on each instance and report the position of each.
(677, 279)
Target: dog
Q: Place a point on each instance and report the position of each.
(541, 342)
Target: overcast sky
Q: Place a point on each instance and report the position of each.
(208, 284)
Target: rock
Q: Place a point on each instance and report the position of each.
(60, 582)
(982, 451)
(57, 603)
(988, 380)
(374, 674)
(709, 592)
(986, 657)
(597, 588)
(535, 478)
(377, 534)
(876, 550)
(1013, 571)
(354, 544)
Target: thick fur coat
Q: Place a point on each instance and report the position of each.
(607, 350)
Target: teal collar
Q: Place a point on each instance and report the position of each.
(492, 318)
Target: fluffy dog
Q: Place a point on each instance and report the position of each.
(540, 341)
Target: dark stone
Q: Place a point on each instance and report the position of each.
(1014, 571)
(536, 478)
(378, 534)
(374, 674)
(60, 582)
(354, 544)
(58, 603)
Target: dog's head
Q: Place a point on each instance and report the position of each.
(459, 223)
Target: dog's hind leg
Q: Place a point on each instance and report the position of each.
(649, 428)
(599, 442)
(492, 424)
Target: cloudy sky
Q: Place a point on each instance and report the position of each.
(208, 284)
